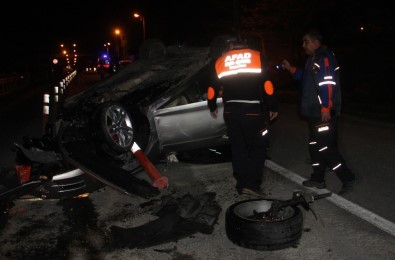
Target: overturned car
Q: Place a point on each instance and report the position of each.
(157, 103)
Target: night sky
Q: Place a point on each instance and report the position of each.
(33, 31)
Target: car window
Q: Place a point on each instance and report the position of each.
(194, 90)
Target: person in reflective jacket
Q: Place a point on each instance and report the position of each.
(248, 96)
(320, 105)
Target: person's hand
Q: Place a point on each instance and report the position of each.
(286, 65)
(214, 113)
(272, 115)
(325, 116)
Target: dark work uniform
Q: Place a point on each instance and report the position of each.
(321, 93)
(247, 95)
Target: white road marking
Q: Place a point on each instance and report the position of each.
(353, 208)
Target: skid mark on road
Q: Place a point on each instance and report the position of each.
(353, 208)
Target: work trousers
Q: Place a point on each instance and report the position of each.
(248, 136)
(324, 151)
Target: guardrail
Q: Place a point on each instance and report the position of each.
(52, 101)
(11, 83)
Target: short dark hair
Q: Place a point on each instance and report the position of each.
(315, 34)
(235, 43)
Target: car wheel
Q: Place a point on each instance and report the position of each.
(247, 225)
(116, 127)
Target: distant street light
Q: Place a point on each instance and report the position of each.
(107, 45)
(118, 45)
(67, 49)
(142, 19)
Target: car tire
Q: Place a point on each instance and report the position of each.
(247, 230)
(152, 49)
(116, 127)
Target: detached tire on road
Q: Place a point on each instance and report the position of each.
(246, 228)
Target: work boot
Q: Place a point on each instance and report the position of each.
(315, 184)
(347, 187)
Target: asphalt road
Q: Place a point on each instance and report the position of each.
(359, 225)
(368, 147)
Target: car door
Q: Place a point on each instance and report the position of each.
(190, 126)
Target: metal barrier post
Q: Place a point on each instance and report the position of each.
(157, 179)
(45, 112)
(55, 104)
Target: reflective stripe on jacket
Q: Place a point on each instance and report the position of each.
(240, 75)
(320, 84)
(238, 61)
